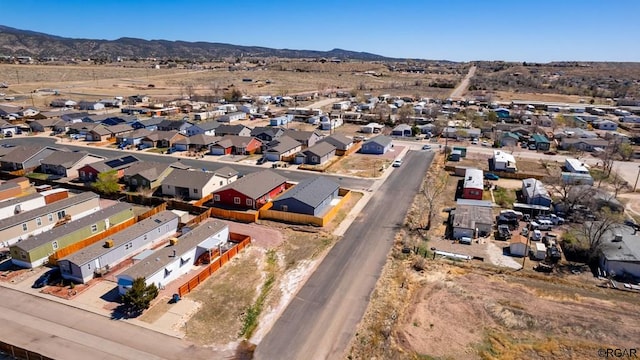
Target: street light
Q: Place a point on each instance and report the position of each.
(638, 176)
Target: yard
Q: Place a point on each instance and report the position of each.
(369, 166)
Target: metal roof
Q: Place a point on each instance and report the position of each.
(311, 191)
(473, 179)
(46, 237)
(626, 250)
(535, 188)
(164, 256)
(465, 216)
(47, 209)
(96, 250)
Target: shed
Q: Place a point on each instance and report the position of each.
(473, 184)
(518, 246)
(540, 251)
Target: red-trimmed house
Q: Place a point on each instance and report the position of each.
(473, 184)
(237, 145)
(251, 191)
(89, 172)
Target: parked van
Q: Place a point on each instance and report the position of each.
(545, 225)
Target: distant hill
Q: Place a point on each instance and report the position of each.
(16, 42)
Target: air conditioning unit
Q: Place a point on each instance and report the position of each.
(108, 243)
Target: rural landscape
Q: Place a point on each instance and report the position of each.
(166, 199)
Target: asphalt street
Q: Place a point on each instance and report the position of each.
(62, 332)
(210, 164)
(322, 318)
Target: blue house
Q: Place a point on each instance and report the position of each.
(149, 124)
(311, 196)
(281, 120)
(377, 145)
(502, 113)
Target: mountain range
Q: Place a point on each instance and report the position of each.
(16, 42)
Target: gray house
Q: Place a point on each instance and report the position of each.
(282, 147)
(341, 142)
(67, 163)
(378, 145)
(311, 196)
(620, 254)
(471, 221)
(102, 256)
(319, 153)
(25, 157)
(402, 130)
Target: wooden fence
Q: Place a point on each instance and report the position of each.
(215, 264)
(203, 200)
(520, 175)
(304, 219)
(242, 216)
(20, 353)
(68, 250)
(199, 218)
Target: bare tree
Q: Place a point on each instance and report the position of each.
(433, 186)
(383, 111)
(405, 113)
(593, 233)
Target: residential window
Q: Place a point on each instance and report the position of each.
(82, 174)
(50, 217)
(128, 246)
(94, 228)
(54, 245)
(184, 261)
(195, 191)
(249, 202)
(236, 200)
(221, 183)
(284, 208)
(216, 197)
(38, 221)
(61, 214)
(25, 227)
(145, 237)
(89, 266)
(167, 272)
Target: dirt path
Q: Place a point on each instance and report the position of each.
(457, 93)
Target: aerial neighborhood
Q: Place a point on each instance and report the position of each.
(197, 196)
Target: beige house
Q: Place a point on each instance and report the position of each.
(196, 184)
(34, 222)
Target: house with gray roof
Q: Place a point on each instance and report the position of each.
(341, 142)
(471, 221)
(162, 139)
(251, 191)
(133, 137)
(35, 250)
(149, 124)
(101, 257)
(44, 125)
(176, 259)
(26, 157)
(402, 130)
(281, 148)
(148, 174)
(535, 193)
(377, 145)
(267, 133)
(196, 184)
(196, 142)
(620, 253)
(318, 154)
(206, 128)
(238, 130)
(312, 196)
(90, 172)
(307, 138)
(22, 225)
(66, 163)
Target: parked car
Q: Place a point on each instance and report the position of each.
(143, 146)
(537, 235)
(491, 176)
(474, 142)
(426, 147)
(8, 134)
(465, 240)
(503, 232)
(485, 143)
(261, 161)
(396, 163)
(50, 277)
(532, 147)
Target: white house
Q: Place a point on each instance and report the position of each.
(196, 184)
(605, 125)
(205, 128)
(620, 254)
(228, 108)
(575, 166)
(178, 258)
(372, 128)
(248, 109)
(503, 161)
(232, 117)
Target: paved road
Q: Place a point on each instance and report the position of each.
(322, 318)
(457, 93)
(292, 175)
(62, 332)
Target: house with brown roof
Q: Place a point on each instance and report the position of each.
(341, 143)
(318, 154)
(90, 172)
(236, 145)
(162, 139)
(98, 133)
(66, 163)
(197, 142)
(44, 125)
(196, 184)
(148, 174)
(282, 148)
(251, 191)
(307, 138)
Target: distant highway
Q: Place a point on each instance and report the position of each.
(457, 93)
(292, 175)
(322, 318)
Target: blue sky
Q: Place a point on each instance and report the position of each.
(511, 30)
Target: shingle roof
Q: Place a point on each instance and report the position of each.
(381, 140)
(93, 251)
(338, 140)
(70, 227)
(302, 136)
(162, 257)
(101, 130)
(311, 191)
(235, 140)
(15, 201)
(47, 209)
(321, 149)
(120, 128)
(162, 135)
(199, 139)
(226, 172)
(114, 163)
(257, 184)
(149, 170)
(209, 125)
(20, 154)
(229, 129)
(194, 179)
(283, 144)
(64, 158)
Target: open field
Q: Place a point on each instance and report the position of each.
(92, 82)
